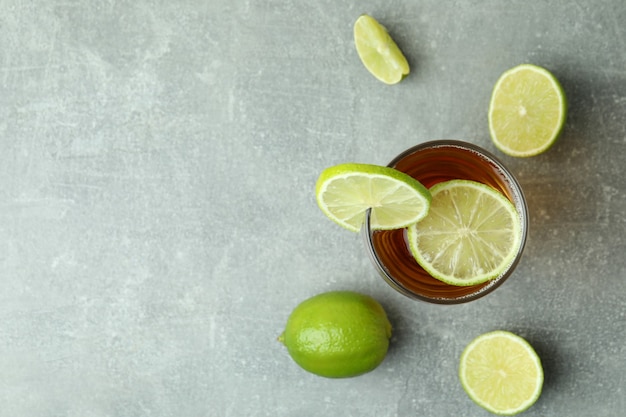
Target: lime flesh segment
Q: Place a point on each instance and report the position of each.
(527, 111)
(501, 372)
(344, 193)
(378, 52)
(471, 235)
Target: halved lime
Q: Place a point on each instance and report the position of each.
(471, 235)
(527, 111)
(378, 52)
(344, 193)
(501, 372)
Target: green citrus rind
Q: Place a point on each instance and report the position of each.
(338, 334)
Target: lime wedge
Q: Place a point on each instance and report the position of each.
(345, 192)
(501, 372)
(527, 111)
(471, 235)
(378, 52)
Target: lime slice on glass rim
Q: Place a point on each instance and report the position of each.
(527, 111)
(378, 51)
(501, 372)
(345, 192)
(471, 235)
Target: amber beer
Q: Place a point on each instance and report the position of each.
(431, 163)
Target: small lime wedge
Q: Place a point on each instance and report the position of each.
(471, 235)
(527, 111)
(344, 193)
(501, 372)
(378, 52)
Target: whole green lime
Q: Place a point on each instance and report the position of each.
(338, 334)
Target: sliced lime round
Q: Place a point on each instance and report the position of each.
(471, 234)
(345, 192)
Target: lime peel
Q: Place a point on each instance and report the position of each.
(338, 334)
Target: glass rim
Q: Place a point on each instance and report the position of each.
(520, 205)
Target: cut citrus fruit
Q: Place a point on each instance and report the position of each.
(501, 372)
(471, 235)
(378, 52)
(344, 193)
(527, 111)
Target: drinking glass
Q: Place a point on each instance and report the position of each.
(430, 163)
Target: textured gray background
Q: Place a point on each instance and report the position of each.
(157, 212)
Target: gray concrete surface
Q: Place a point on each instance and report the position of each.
(157, 212)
